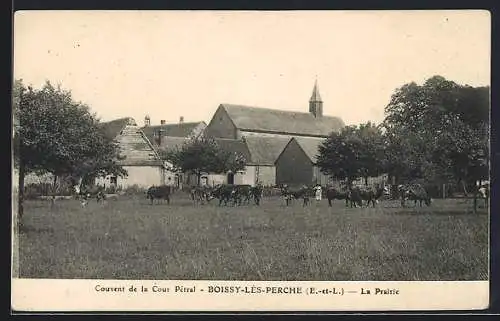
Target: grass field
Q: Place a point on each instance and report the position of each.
(130, 239)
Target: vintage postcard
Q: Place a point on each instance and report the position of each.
(251, 160)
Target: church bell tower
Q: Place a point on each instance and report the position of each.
(315, 103)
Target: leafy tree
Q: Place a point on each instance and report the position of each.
(203, 155)
(357, 151)
(57, 135)
(438, 131)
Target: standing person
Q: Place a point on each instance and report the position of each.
(318, 192)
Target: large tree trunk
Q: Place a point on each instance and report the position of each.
(464, 188)
(54, 185)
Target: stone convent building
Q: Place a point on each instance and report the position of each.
(269, 135)
(280, 146)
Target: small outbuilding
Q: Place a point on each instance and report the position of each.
(296, 165)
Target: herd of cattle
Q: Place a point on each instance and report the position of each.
(237, 195)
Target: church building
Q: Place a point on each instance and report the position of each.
(237, 121)
(267, 132)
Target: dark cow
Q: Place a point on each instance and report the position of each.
(334, 194)
(224, 193)
(355, 197)
(256, 193)
(242, 194)
(371, 194)
(290, 194)
(161, 192)
(414, 192)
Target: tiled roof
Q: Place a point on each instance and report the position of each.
(169, 143)
(112, 128)
(265, 150)
(140, 162)
(173, 130)
(279, 121)
(231, 145)
(234, 145)
(310, 146)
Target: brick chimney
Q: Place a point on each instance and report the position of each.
(181, 120)
(159, 136)
(162, 122)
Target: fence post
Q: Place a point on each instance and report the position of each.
(444, 191)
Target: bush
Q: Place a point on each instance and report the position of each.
(35, 190)
(112, 189)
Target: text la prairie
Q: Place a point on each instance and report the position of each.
(219, 289)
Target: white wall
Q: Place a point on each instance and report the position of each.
(246, 177)
(215, 179)
(143, 176)
(266, 175)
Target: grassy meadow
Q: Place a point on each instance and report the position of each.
(130, 239)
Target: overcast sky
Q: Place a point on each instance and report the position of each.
(172, 64)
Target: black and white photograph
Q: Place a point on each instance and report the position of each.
(251, 146)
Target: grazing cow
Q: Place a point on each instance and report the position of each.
(354, 196)
(224, 193)
(334, 194)
(200, 194)
(242, 193)
(415, 192)
(289, 194)
(256, 193)
(161, 192)
(371, 195)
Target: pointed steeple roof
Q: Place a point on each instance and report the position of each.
(315, 94)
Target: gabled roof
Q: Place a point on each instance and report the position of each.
(310, 146)
(141, 162)
(234, 145)
(172, 130)
(113, 128)
(230, 145)
(279, 121)
(169, 143)
(265, 150)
